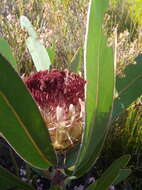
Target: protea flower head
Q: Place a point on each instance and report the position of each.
(60, 98)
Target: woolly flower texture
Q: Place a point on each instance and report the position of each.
(60, 98)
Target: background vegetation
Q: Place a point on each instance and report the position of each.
(61, 26)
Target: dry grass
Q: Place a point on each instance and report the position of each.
(59, 23)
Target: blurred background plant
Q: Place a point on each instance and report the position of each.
(61, 26)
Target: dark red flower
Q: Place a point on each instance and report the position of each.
(60, 97)
(56, 88)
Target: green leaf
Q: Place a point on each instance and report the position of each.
(52, 54)
(129, 87)
(8, 180)
(21, 122)
(37, 50)
(76, 61)
(99, 74)
(110, 175)
(6, 52)
(123, 174)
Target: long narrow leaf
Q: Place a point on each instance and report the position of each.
(37, 50)
(9, 181)
(109, 176)
(123, 174)
(99, 72)
(6, 52)
(20, 120)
